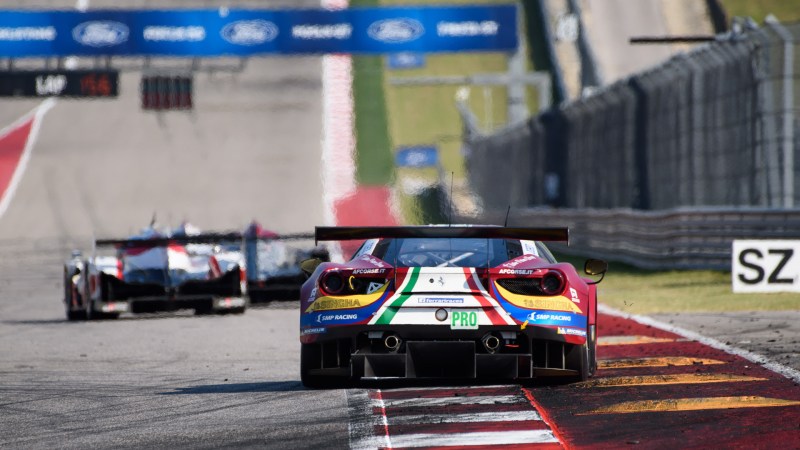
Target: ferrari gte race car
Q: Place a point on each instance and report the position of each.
(447, 302)
(157, 271)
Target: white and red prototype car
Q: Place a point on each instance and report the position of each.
(157, 271)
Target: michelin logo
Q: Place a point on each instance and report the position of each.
(572, 331)
(396, 31)
(249, 32)
(101, 33)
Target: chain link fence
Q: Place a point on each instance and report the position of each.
(715, 127)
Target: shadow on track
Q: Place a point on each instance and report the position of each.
(238, 388)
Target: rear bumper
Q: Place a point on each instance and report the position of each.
(438, 352)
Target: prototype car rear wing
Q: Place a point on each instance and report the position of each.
(205, 238)
(481, 232)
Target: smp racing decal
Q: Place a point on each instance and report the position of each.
(323, 319)
(555, 318)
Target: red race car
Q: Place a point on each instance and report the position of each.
(447, 302)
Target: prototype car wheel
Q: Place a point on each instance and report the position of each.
(75, 315)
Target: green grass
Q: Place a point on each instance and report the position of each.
(388, 117)
(639, 291)
(784, 10)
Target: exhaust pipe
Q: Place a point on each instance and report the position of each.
(392, 342)
(491, 343)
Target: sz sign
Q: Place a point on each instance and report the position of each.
(766, 266)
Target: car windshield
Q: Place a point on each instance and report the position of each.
(446, 252)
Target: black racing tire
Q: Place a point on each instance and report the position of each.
(591, 341)
(578, 360)
(74, 316)
(205, 311)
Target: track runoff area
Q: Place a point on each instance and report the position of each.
(657, 385)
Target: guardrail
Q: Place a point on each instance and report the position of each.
(672, 239)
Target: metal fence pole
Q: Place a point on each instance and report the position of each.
(787, 143)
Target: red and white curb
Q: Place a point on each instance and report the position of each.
(469, 416)
(19, 161)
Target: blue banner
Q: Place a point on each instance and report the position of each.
(405, 60)
(233, 32)
(416, 157)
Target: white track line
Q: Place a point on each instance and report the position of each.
(762, 360)
(508, 416)
(444, 401)
(475, 439)
(38, 113)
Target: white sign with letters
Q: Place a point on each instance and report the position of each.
(765, 266)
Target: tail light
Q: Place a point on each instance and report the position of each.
(352, 282)
(332, 282)
(539, 283)
(552, 283)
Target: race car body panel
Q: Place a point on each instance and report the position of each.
(272, 260)
(446, 301)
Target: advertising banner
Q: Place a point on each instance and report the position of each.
(233, 32)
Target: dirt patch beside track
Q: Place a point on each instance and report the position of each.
(774, 334)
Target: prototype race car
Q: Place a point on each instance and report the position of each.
(447, 302)
(273, 262)
(156, 271)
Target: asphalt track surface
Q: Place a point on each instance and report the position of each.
(251, 150)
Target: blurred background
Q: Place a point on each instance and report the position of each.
(658, 130)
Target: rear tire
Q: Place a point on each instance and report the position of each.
(591, 340)
(74, 316)
(578, 360)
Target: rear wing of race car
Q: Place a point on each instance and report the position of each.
(481, 232)
(205, 238)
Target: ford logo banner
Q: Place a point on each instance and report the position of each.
(102, 33)
(255, 32)
(249, 32)
(396, 31)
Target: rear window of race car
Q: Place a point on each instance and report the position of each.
(452, 252)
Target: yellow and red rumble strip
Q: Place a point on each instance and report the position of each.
(674, 389)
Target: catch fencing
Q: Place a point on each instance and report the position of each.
(715, 127)
(662, 170)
